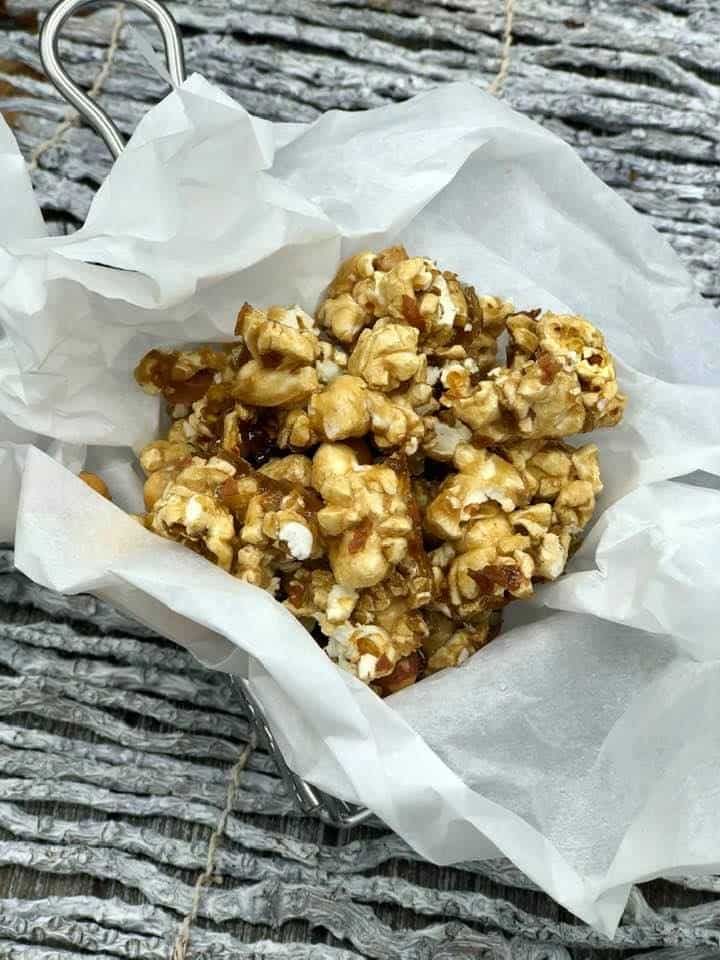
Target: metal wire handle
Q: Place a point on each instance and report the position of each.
(330, 810)
(87, 108)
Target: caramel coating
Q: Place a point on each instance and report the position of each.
(481, 476)
(95, 483)
(365, 520)
(561, 380)
(190, 511)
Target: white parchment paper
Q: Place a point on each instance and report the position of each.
(584, 742)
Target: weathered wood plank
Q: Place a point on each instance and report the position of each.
(342, 908)
(115, 747)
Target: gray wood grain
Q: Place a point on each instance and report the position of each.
(116, 746)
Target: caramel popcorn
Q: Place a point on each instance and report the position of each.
(378, 467)
(561, 381)
(275, 386)
(394, 423)
(365, 520)
(501, 552)
(578, 346)
(386, 356)
(282, 522)
(254, 566)
(481, 476)
(376, 633)
(568, 477)
(442, 437)
(294, 468)
(314, 594)
(332, 363)
(451, 320)
(279, 337)
(190, 511)
(95, 483)
(448, 647)
(494, 561)
(294, 429)
(180, 376)
(346, 408)
(164, 454)
(340, 410)
(370, 652)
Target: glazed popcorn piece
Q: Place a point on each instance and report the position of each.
(95, 483)
(164, 454)
(294, 430)
(568, 477)
(371, 628)
(293, 468)
(315, 595)
(533, 400)
(369, 632)
(381, 629)
(364, 519)
(394, 423)
(386, 356)
(283, 523)
(345, 311)
(189, 510)
(443, 435)
(578, 346)
(375, 656)
(255, 566)
(275, 386)
(283, 347)
(481, 476)
(347, 408)
(383, 642)
(180, 376)
(376, 467)
(411, 290)
(451, 320)
(332, 362)
(447, 646)
(339, 411)
(280, 336)
(161, 461)
(494, 561)
(275, 516)
(500, 553)
(561, 381)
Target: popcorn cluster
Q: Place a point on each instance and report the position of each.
(375, 469)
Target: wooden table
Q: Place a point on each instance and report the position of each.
(115, 748)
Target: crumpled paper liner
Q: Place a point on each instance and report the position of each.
(583, 742)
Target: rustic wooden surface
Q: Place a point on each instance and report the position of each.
(115, 747)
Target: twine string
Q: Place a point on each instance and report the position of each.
(71, 117)
(182, 940)
(498, 82)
